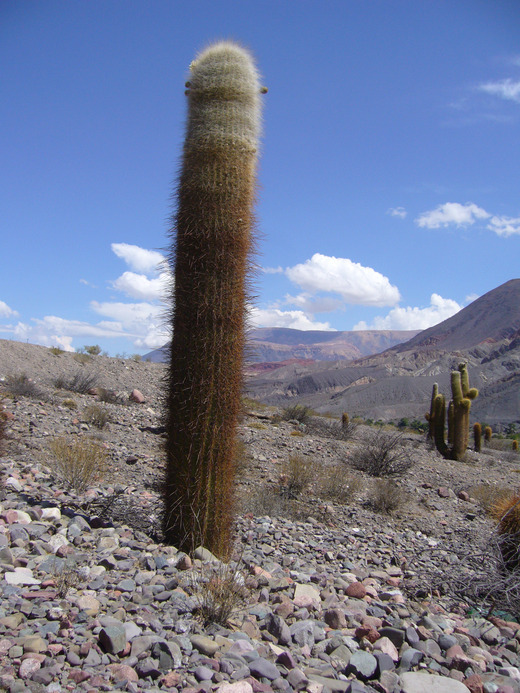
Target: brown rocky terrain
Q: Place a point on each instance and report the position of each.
(339, 595)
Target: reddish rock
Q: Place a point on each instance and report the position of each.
(443, 492)
(78, 675)
(463, 495)
(367, 632)
(122, 672)
(335, 618)
(474, 684)
(137, 396)
(356, 590)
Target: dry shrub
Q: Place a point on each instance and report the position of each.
(219, 591)
(96, 416)
(108, 396)
(69, 403)
(82, 358)
(506, 512)
(20, 385)
(80, 382)
(258, 426)
(383, 454)
(78, 462)
(296, 412)
(335, 485)
(386, 497)
(488, 496)
(325, 428)
(3, 427)
(297, 474)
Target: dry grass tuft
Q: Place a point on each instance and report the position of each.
(383, 454)
(219, 591)
(386, 497)
(20, 385)
(96, 416)
(333, 484)
(80, 382)
(297, 474)
(78, 462)
(488, 496)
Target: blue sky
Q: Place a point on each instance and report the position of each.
(388, 181)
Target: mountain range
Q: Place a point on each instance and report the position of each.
(398, 381)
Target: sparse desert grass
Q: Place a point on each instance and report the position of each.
(81, 382)
(382, 454)
(327, 427)
(56, 351)
(386, 496)
(96, 416)
(82, 358)
(20, 385)
(298, 472)
(109, 396)
(257, 425)
(250, 404)
(296, 412)
(3, 427)
(488, 495)
(335, 485)
(219, 591)
(69, 403)
(78, 462)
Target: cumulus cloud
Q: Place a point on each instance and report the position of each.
(452, 213)
(139, 259)
(397, 212)
(356, 284)
(507, 89)
(141, 287)
(6, 312)
(411, 318)
(309, 304)
(272, 270)
(295, 319)
(504, 226)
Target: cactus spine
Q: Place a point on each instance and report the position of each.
(211, 252)
(458, 415)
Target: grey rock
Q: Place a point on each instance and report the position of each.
(113, 638)
(414, 682)
(264, 668)
(363, 665)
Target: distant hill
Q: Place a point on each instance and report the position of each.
(398, 382)
(274, 344)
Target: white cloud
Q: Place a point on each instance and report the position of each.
(355, 284)
(6, 312)
(272, 270)
(139, 259)
(322, 304)
(414, 318)
(140, 287)
(397, 212)
(505, 89)
(504, 226)
(295, 319)
(452, 213)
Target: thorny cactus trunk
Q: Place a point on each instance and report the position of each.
(211, 255)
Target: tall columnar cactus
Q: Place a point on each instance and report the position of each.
(458, 415)
(429, 416)
(212, 244)
(477, 436)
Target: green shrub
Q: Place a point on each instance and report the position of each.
(56, 351)
(93, 350)
(69, 403)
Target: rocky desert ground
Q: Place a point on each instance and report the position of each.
(340, 581)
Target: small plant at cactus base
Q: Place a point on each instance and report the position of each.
(218, 591)
(78, 462)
